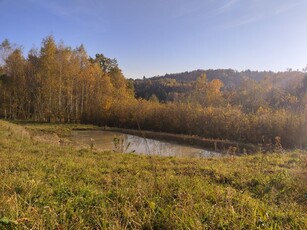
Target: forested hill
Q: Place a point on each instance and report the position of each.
(164, 87)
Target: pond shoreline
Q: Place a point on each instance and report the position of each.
(222, 146)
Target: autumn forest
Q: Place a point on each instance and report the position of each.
(57, 83)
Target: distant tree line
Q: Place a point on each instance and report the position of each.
(57, 83)
(259, 89)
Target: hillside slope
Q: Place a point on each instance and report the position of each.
(162, 86)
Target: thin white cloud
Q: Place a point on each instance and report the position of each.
(52, 6)
(77, 10)
(228, 5)
(247, 20)
(182, 9)
(286, 7)
(259, 10)
(71, 8)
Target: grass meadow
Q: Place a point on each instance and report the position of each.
(47, 185)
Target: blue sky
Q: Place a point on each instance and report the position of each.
(154, 37)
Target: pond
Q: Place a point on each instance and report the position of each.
(108, 140)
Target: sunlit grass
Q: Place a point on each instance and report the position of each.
(48, 186)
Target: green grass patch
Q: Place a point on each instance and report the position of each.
(45, 186)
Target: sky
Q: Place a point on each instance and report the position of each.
(155, 37)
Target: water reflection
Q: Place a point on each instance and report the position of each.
(104, 140)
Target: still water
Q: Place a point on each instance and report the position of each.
(104, 140)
